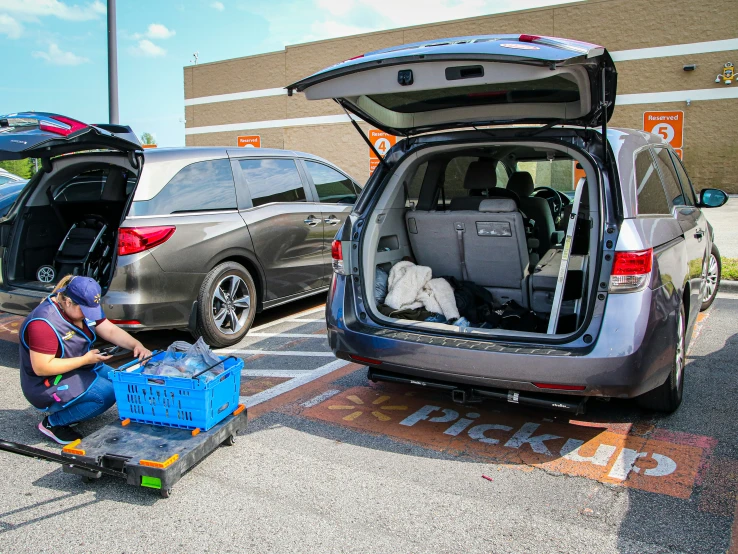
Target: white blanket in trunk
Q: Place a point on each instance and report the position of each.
(411, 287)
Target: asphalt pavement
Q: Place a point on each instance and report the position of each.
(333, 463)
(723, 222)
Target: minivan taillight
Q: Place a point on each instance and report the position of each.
(132, 240)
(631, 271)
(337, 255)
(65, 126)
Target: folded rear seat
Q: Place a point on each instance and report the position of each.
(542, 282)
(487, 246)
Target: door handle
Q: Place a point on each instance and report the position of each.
(312, 221)
(332, 220)
(699, 234)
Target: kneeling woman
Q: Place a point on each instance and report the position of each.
(60, 373)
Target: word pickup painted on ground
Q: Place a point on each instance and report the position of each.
(592, 450)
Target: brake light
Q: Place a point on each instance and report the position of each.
(132, 240)
(337, 255)
(631, 271)
(125, 321)
(65, 126)
(528, 38)
(554, 386)
(363, 360)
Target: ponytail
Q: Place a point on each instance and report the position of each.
(63, 282)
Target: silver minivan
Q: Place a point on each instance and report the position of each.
(198, 238)
(578, 255)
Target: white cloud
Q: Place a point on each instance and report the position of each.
(10, 27)
(147, 48)
(159, 31)
(56, 56)
(33, 9)
(218, 6)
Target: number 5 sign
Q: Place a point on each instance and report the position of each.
(670, 125)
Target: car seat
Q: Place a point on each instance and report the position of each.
(537, 209)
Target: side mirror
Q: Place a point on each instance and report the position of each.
(712, 198)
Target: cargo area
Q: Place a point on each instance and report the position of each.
(69, 221)
(489, 239)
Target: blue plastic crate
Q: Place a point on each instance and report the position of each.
(177, 401)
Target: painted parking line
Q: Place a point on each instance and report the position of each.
(275, 372)
(595, 451)
(294, 353)
(288, 318)
(293, 383)
(320, 335)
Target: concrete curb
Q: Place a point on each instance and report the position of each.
(728, 286)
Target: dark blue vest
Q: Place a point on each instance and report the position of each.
(43, 392)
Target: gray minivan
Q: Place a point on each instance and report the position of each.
(579, 255)
(198, 238)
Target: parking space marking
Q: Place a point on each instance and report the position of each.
(293, 383)
(274, 372)
(289, 335)
(295, 353)
(320, 398)
(287, 319)
(593, 451)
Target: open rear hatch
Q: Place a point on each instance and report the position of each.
(45, 135)
(472, 81)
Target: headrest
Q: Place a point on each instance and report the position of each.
(481, 175)
(521, 183)
(115, 186)
(498, 205)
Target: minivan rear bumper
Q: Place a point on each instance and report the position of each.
(632, 354)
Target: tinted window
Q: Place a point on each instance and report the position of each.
(689, 194)
(415, 184)
(85, 187)
(453, 184)
(669, 176)
(199, 187)
(651, 197)
(332, 186)
(273, 180)
(502, 176)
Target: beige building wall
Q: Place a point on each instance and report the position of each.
(710, 132)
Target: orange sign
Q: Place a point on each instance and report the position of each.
(679, 153)
(249, 141)
(382, 142)
(658, 460)
(148, 145)
(579, 174)
(669, 125)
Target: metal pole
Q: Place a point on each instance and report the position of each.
(112, 64)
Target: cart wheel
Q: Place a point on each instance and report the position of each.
(230, 441)
(165, 493)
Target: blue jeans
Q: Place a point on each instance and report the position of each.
(91, 403)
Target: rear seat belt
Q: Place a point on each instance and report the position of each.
(462, 255)
(565, 257)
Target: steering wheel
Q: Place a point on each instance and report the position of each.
(555, 200)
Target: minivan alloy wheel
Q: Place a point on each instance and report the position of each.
(680, 354)
(231, 304)
(711, 279)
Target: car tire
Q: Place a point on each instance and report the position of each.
(226, 305)
(668, 396)
(712, 278)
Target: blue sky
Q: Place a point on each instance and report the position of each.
(55, 51)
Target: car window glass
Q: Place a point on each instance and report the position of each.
(651, 197)
(669, 176)
(502, 176)
(689, 195)
(199, 187)
(453, 183)
(4, 180)
(332, 186)
(415, 184)
(557, 174)
(272, 180)
(85, 187)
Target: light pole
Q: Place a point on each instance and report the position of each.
(112, 64)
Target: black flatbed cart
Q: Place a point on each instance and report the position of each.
(144, 455)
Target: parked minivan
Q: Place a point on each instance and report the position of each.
(198, 238)
(589, 285)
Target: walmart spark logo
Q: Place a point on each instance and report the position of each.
(68, 336)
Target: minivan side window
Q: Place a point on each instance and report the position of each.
(332, 186)
(689, 194)
(199, 187)
(669, 176)
(272, 180)
(651, 196)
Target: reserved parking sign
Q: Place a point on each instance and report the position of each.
(669, 125)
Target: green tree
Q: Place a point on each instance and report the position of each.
(148, 138)
(22, 168)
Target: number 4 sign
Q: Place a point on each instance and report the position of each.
(670, 125)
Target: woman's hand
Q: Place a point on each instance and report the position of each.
(140, 351)
(94, 357)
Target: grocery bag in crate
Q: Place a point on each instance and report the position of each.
(175, 389)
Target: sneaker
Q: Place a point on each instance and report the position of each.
(63, 434)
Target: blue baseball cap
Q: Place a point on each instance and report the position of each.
(85, 292)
